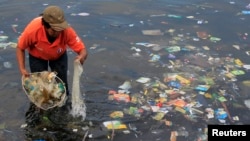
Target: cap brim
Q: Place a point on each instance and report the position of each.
(60, 26)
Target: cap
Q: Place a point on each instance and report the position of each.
(54, 15)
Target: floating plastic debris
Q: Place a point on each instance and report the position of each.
(24, 125)
(143, 80)
(80, 14)
(238, 62)
(7, 65)
(237, 47)
(159, 15)
(9, 44)
(247, 103)
(39, 140)
(174, 16)
(14, 26)
(155, 58)
(245, 12)
(190, 17)
(136, 49)
(147, 44)
(173, 49)
(120, 97)
(202, 34)
(115, 124)
(159, 116)
(152, 32)
(174, 84)
(202, 22)
(210, 113)
(246, 66)
(168, 122)
(116, 114)
(179, 103)
(171, 56)
(125, 86)
(238, 72)
(174, 134)
(248, 6)
(220, 113)
(202, 88)
(205, 47)
(214, 39)
(3, 38)
(182, 80)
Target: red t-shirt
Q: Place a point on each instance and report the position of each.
(34, 39)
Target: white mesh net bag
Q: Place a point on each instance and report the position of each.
(78, 104)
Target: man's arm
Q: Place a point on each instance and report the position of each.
(82, 55)
(20, 55)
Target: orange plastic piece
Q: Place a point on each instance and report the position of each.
(112, 92)
(121, 97)
(178, 102)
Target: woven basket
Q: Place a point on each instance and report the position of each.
(43, 93)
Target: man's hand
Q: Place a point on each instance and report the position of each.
(24, 72)
(82, 56)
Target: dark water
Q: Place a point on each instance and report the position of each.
(109, 32)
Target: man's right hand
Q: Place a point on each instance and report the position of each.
(24, 72)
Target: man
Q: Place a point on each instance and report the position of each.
(46, 39)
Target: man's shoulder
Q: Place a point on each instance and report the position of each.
(70, 31)
(34, 24)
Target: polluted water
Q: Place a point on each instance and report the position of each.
(78, 105)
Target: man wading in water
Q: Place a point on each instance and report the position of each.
(46, 39)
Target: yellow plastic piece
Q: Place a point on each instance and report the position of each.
(238, 62)
(182, 80)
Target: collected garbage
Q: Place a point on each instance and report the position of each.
(200, 87)
(44, 89)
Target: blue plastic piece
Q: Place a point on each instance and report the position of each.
(174, 84)
(245, 12)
